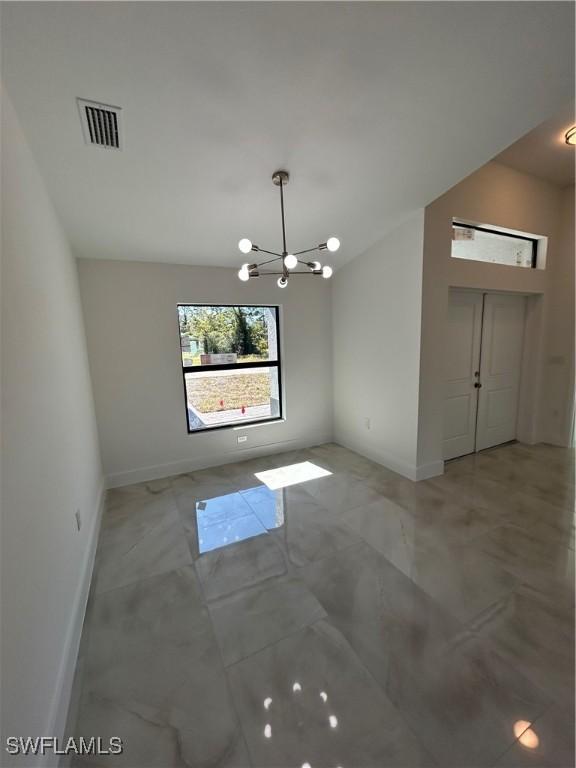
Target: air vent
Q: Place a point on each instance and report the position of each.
(100, 124)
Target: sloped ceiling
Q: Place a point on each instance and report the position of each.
(543, 152)
(374, 108)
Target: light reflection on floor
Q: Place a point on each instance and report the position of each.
(234, 517)
(267, 505)
(216, 535)
(297, 690)
(526, 735)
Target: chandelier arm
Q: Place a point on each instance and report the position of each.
(270, 274)
(276, 258)
(270, 253)
(308, 250)
(290, 274)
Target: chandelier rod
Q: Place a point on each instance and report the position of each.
(285, 252)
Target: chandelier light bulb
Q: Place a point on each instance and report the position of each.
(245, 245)
(290, 261)
(326, 271)
(282, 282)
(316, 266)
(243, 273)
(332, 244)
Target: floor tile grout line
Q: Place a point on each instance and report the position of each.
(382, 690)
(228, 684)
(266, 647)
(143, 579)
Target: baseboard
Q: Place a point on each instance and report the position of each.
(411, 471)
(380, 457)
(145, 474)
(61, 699)
(432, 469)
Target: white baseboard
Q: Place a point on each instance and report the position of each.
(380, 457)
(411, 471)
(432, 469)
(61, 699)
(145, 474)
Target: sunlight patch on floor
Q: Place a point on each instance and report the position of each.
(292, 474)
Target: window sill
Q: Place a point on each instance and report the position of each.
(236, 427)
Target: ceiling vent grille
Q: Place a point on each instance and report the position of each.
(100, 124)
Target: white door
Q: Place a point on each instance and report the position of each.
(500, 366)
(462, 359)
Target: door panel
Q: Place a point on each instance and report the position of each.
(500, 367)
(462, 362)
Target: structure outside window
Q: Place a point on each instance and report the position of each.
(230, 364)
(477, 243)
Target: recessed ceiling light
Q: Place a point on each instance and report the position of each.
(570, 136)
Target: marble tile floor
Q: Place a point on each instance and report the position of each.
(353, 620)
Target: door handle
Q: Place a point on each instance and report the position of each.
(477, 385)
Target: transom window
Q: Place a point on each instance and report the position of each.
(230, 364)
(476, 243)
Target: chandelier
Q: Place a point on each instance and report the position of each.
(288, 261)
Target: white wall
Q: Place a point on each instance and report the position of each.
(498, 195)
(390, 312)
(134, 349)
(376, 333)
(50, 457)
(557, 401)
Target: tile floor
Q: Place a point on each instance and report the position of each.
(351, 620)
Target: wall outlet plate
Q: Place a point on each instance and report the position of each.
(242, 438)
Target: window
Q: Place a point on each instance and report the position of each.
(230, 364)
(481, 244)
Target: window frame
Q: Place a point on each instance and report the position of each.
(533, 240)
(228, 366)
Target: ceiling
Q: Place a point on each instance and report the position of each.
(543, 152)
(374, 108)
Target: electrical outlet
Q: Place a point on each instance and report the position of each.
(242, 438)
(78, 519)
(367, 422)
